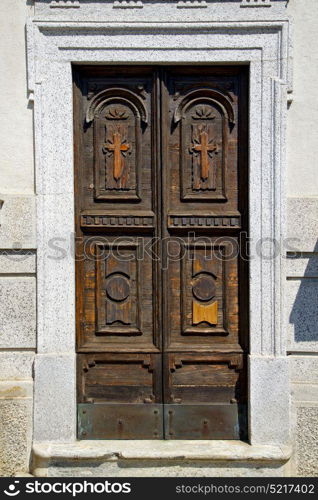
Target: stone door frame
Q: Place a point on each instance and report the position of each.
(53, 46)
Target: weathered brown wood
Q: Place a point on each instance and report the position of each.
(119, 378)
(161, 189)
(203, 378)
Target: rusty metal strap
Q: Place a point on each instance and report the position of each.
(155, 421)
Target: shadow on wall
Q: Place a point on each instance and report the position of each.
(303, 286)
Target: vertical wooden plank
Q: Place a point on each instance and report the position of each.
(204, 209)
(117, 136)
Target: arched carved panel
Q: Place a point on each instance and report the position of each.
(206, 117)
(118, 115)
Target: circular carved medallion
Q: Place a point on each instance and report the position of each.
(117, 288)
(204, 288)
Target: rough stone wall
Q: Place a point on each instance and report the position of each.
(302, 267)
(18, 240)
(17, 244)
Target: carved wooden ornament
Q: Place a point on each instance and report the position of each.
(206, 116)
(118, 115)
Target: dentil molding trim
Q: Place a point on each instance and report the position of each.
(128, 4)
(256, 3)
(64, 4)
(138, 4)
(192, 4)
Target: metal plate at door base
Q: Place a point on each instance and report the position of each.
(120, 421)
(210, 421)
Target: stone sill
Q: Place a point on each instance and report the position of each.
(46, 454)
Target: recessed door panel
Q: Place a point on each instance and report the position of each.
(203, 290)
(116, 295)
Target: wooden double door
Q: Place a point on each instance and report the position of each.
(161, 204)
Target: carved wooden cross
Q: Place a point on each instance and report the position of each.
(204, 147)
(117, 147)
